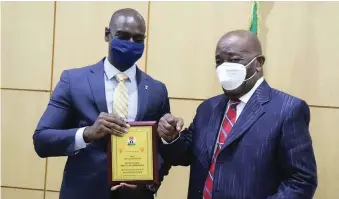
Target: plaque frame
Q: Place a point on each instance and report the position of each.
(155, 180)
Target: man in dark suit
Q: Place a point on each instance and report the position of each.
(90, 103)
(252, 142)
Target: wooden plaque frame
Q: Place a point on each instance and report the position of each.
(155, 180)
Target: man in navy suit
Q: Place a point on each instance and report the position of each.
(85, 108)
(252, 142)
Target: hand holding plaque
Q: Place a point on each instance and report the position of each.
(169, 127)
(104, 125)
(124, 185)
(132, 158)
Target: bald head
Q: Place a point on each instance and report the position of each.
(240, 41)
(127, 12)
(127, 17)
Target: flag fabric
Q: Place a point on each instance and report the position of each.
(254, 19)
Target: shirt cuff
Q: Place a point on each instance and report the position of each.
(164, 141)
(79, 139)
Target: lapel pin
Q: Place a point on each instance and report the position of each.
(146, 87)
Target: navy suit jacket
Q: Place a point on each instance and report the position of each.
(76, 101)
(268, 153)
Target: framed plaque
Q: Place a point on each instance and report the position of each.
(133, 158)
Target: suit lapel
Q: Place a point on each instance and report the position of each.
(143, 94)
(217, 115)
(252, 112)
(249, 115)
(97, 85)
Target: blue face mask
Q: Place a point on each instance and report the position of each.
(125, 53)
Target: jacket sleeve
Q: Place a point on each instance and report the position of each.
(296, 156)
(179, 152)
(52, 136)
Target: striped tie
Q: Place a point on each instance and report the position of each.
(120, 98)
(226, 128)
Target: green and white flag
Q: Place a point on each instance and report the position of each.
(254, 19)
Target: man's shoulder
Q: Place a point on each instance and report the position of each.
(282, 95)
(214, 99)
(81, 70)
(211, 102)
(286, 100)
(288, 106)
(152, 80)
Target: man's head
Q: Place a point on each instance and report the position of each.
(235, 50)
(125, 36)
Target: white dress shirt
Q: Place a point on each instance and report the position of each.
(240, 107)
(110, 84)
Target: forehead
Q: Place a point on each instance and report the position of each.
(232, 45)
(130, 24)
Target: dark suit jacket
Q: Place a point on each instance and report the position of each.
(268, 153)
(76, 102)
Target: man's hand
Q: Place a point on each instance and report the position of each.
(124, 185)
(105, 124)
(169, 127)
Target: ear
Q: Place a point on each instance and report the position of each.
(260, 61)
(107, 34)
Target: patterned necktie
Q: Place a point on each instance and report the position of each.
(226, 128)
(120, 97)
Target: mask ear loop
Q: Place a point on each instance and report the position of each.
(248, 65)
(250, 77)
(252, 61)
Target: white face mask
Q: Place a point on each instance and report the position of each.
(232, 75)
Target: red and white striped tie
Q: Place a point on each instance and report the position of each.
(226, 128)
